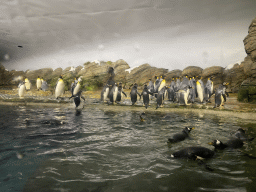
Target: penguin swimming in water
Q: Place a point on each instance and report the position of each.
(105, 93)
(60, 88)
(22, 89)
(27, 84)
(145, 95)
(120, 92)
(160, 97)
(38, 83)
(233, 143)
(113, 94)
(240, 134)
(134, 93)
(180, 136)
(194, 153)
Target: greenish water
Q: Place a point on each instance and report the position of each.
(99, 149)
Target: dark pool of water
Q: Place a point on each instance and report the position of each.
(102, 150)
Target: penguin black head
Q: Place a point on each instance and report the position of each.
(187, 129)
(217, 144)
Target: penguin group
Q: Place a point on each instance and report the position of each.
(199, 153)
(181, 90)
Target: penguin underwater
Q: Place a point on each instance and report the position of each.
(180, 136)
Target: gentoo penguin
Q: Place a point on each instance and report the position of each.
(77, 98)
(233, 143)
(113, 94)
(22, 89)
(44, 85)
(38, 83)
(220, 95)
(134, 93)
(60, 88)
(160, 97)
(27, 84)
(194, 153)
(180, 136)
(240, 134)
(145, 95)
(200, 90)
(120, 92)
(104, 93)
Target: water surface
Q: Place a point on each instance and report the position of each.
(104, 150)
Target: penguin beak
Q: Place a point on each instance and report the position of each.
(193, 128)
(210, 143)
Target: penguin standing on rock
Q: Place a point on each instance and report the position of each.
(134, 93)
(60, 88)
(105, 93)
(22, 89)
(38, 83)
(113, 94)
(180, 136)
(120, 92)
(145, 95)
(160, 97)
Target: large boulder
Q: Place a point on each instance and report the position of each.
(173, 74)
(192, 71)
(250, 41)
(216, 73)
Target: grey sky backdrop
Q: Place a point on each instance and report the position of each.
(172, 34)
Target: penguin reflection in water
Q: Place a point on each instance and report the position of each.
(134, 93)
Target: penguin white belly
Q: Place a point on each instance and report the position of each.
(27, 85)
(22, 89)
(59, 89)
(222, 100)
(105, 95)
(77, 88)
(200, 92)
(38, 83)
(115, 94)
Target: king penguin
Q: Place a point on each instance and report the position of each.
(113, 94)
(200, 90)
(104, 93)
(44, 85)
(183, 96)
(38, 83)
(120, 93)
(22, 89)
(145, 95)
(60, 87)
(134, 93)
(27, 84)
(162, 83)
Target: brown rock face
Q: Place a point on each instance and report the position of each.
(5, 76)
(173, 74)
(250, 41)
(192, 71)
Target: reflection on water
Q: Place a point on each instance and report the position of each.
(102, 150)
